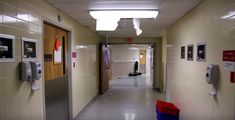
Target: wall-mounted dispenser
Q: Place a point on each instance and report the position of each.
(26, 72)
(212, 77)
(31, 71)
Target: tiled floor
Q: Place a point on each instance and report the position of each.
(129, 98)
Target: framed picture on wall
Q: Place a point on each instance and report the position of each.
(7, 46)
(201, 52)
(190, 52)
(182, 53)
(28, 49)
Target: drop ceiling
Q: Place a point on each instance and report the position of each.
(169, 12)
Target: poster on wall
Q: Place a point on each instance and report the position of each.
(190, 52)
(58, 56)
(7, 48)
(183, 52)
(28, 49)
(201, 52)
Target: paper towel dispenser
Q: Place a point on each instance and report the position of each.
(212, 74)
(26, 72)
(36, 70)
(31, 71)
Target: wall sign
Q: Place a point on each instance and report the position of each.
(232, 76)
(229, 63)
(7, 46)
(48, 58)
(229, 66)
(74, 55)
(28, 49)
(190, 52)
(201, 52)
(182, 52)
(229, 55)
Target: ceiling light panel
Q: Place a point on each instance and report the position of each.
(125, 5)
(118, 14)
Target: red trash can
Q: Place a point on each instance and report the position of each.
(166, 111)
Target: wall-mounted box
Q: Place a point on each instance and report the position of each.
(7, 48)
(29, 49)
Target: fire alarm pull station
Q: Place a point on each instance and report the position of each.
(229, 63)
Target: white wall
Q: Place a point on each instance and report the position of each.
(189, 89)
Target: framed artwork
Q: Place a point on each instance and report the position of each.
(29, 49)
(190, 52)
(7, 46)
(182, 53)
(201, 52)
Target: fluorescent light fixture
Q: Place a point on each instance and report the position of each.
(229, 15)
(106, 24)
(117, 14)
(107, 20)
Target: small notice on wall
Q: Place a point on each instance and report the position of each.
(229, 63)
(230, 66)
(229, 55)
(57, 56)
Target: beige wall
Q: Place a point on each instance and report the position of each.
(164, 56)
(17, 101)
(158, 81)
(189, 89)
(123, 59)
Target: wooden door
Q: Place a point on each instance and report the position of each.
(56, 73)
(105, 69)
(52, 68)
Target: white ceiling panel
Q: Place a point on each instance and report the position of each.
(169, 12)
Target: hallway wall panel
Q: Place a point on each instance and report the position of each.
(189, 89)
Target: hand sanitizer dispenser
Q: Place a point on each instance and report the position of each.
(31, 71)
(36, 70)
(26, 72)
(212, 72)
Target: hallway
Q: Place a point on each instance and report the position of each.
(69, 59)
(129, 98)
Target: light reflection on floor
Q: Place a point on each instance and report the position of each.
(129, 98)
